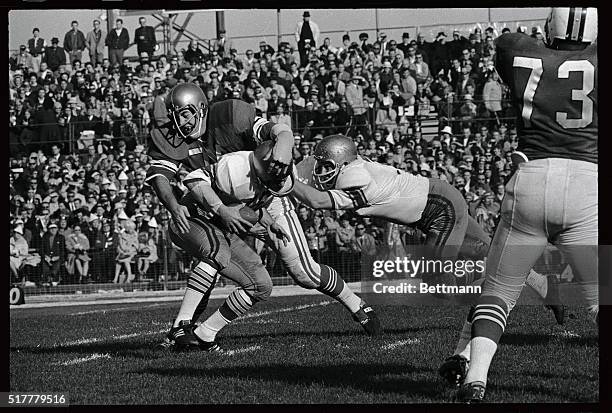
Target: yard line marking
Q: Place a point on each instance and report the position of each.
(242, 350)
(94, 356)
(108, 310)
(565, 334)
(399, 343)
(148, 333)
(283, 310)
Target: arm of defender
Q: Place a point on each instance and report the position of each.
(312, 197)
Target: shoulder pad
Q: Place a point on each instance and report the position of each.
(353, 176)
(233, 169)
(165, 142)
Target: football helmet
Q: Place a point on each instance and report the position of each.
(187, 96)
(332, 154)
(575, 24)
(278, 185)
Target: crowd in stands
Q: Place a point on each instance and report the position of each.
(81, 212)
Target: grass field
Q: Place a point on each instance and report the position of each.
(292, 350)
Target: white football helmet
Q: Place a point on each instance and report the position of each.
(576, 24)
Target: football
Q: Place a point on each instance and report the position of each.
(248, 214)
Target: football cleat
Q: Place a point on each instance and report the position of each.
(366, 316)
(471, 392)
(210, 346)
(553, 300)
(183, 335)
(454, 369)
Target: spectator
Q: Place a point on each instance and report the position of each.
(74, 43)
(117, 40)
(23, 59)
(18, 251)
(492, 95)
(36, 48)
(222, 45)
(53, 252)
(146, 44)
(77, 246)
(147, 251)
(95, 41)
(194, 55)
(355, 101)
(306, 37)
(127, 248)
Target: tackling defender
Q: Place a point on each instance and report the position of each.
(552, 197)
(377, 190)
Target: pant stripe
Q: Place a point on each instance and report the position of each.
(212, 238)
(303, 253)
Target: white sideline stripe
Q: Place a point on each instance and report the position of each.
(108, 310)
(171, 296)
(148, 333)
(242, 350)
(565, 334)
(400, 343)
(94, 356)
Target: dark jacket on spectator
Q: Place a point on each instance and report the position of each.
(54, 57)
(145, 39)
(118, 42)
(80, 41)
(57, 249)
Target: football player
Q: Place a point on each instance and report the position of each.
(208, 241)
(552, 197)
(373, 189)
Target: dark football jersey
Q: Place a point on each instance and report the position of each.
(231, 126)
(556, 95)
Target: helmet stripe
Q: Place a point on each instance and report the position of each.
(576, 27)
(570, 23)
(583, 18)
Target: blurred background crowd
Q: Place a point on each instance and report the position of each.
(79, 118)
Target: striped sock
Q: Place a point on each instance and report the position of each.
(335, 287)
(199, 285)
(235, 305)
(488, 324)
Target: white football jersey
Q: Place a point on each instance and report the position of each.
(377, 190)
(234, 180)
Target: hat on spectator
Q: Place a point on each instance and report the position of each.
(22, 47)
(139, 148)
(18, 221)
(123, 191)
(346, 37)
(138, 214)
(52, 225)
(425, 167)
(306, 14)
(144, 208)
(122, 176)
(55, 40)
(122, 215)
(18, 229)
(153, 223)
(440, 34)
(95, 174)
(105, 181)
(363, 36)
(112, 187)
(447, 129)
(387, 64)
(405, 35)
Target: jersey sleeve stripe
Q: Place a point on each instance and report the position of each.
(150, 177)
(333, 202)
(358, 197)
(165, 164)
(259, 123)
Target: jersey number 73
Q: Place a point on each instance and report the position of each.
(588, 83)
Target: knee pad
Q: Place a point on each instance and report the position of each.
(262, 288)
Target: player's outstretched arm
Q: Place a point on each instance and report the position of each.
(312, 197)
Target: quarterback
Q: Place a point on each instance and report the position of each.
(552, 197)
